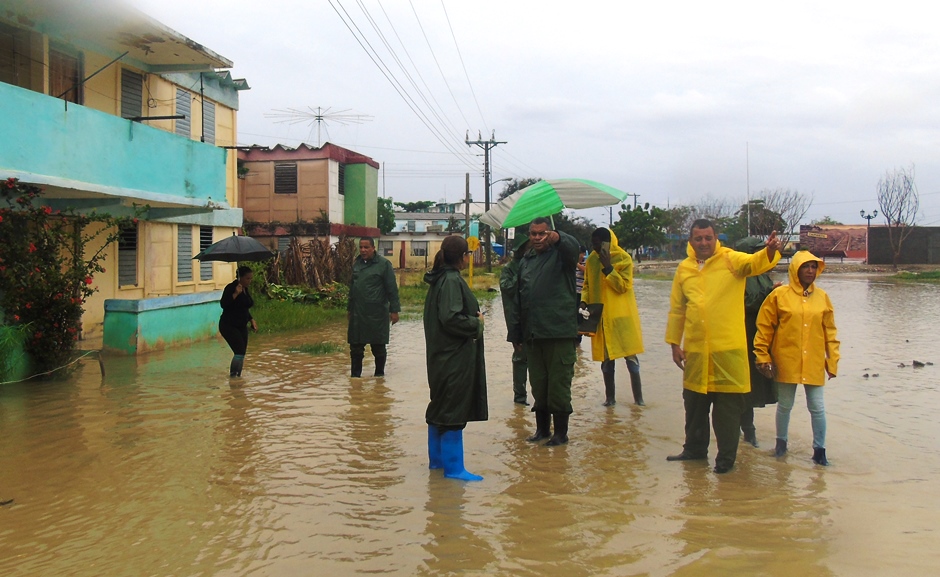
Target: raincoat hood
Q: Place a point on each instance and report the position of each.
(750, 244)
(434, 275)
(798, 260)
(615, 245)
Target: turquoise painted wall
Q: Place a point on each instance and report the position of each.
(85, 149)
(362, 186)
(138, 326)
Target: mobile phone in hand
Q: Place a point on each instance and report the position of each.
(605, 247)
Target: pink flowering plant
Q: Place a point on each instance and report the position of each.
(45, 271)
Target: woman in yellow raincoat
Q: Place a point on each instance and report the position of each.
(796, 344)
(608, 279)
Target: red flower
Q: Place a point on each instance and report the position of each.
(16, 318)
(47, 209)
(11, 182)
(1, 218)
(102, 269)
(88, 280)
(38, 335)
(58, 296)
(29, 305)
(134, 220)
(32, 247)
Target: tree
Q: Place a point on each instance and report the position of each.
(641, 226)
(419, 206)
(899, 203)
(385, 215)
(577, 226)
(516, 184)
(454, 225)
(763, 221)
(826, 221)
(679, 220)
(791, 205)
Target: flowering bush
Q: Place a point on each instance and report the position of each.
(45, 275)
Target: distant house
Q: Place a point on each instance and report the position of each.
(307, 191)
(108, 110)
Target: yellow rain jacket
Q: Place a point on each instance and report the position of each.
(796, 329)
(619, 331)
(707, 309)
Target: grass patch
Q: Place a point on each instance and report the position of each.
(412, 290)
(655, 274)
(322, 348)
(275, 316)
(931, 276)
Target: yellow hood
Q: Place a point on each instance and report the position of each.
(691, 251)
(799, 259)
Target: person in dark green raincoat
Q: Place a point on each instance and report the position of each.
(763, 391)
(547, 325)
(373, 303)
(453, 334)
(508, 289)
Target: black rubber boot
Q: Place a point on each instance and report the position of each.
(637, 387)
(235, 369)
(686, 456)
(543, 424)
(781, 448)
(819, 457)
(561, 430)
(356, 370)
(379, 366)
(610, 389)
(750, 436)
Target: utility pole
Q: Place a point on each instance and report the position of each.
(486, 146)
(747, 163)
(635, 196)
(466, 231)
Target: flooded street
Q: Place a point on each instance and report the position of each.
(168, 467)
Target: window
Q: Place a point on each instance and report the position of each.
(205, 239)
(208, 122)
(342, 179)
(184, 253)
(410, 226)
(419, 248)
(283, 243)
(184, 106)
(386, 248)
(285, 178)
(127, 256)
(132, 94)
(15, 55)
(65, 76)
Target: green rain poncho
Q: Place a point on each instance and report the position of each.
(454, 344)
(373, 294)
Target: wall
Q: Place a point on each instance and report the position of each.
(362, 182)
(133, 327)
(921, 247)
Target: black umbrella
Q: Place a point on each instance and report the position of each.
(234, 249)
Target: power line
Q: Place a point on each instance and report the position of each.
(376, 59)
(466, 75)
(439, 69)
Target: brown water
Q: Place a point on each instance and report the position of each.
(166, 467)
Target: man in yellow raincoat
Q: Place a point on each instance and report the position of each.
(608, 279)
(706, 331)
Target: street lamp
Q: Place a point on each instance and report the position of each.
(868, 217)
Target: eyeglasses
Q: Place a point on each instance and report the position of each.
(469, 252)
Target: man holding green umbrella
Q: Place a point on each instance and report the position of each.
(547, 327)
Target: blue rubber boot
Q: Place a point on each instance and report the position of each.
(434, 448)
(452, 454)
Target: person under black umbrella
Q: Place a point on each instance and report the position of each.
(236, 317)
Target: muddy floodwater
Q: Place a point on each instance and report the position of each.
(167, 467)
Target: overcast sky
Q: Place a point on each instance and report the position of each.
(672, 101)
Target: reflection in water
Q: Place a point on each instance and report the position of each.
(168, 467)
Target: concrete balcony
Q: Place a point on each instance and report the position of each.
(84, 156)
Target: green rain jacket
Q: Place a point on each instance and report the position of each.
(454, 346)
(547, 298)
(373, 295)
(509, 291)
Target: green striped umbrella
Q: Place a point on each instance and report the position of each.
(548, 197)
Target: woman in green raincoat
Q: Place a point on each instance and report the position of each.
(453, 333)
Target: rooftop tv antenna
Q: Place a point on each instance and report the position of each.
(319, 116)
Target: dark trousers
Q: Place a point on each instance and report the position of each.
(236, 337)
(358, 350)
(551, 368)
(520, 370)
(726, 409)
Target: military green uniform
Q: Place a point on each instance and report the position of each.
(546, 325)
(373, 295)
(509, 288)
(454, 347)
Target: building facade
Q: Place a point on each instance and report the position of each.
(307, 191)
(108, 110)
